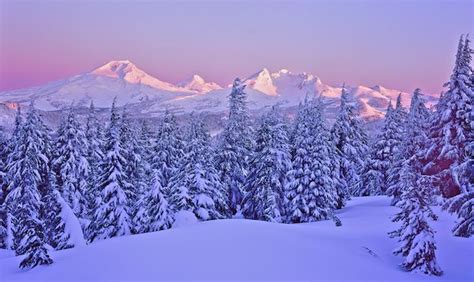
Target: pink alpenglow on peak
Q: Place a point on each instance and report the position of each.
(126, 70)
(197, 83)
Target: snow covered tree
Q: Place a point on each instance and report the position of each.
(6, 224)
(265, 183)
(417, 244)
(71, 166)
(195, 186)
(112, 216)
(451, 128)
(413, 142)
(235, 145)
(351, 143)
(52, 212)
(29, 161)
(375, 175)
(94, 155)
(155, 211)
(3, 185)
(168, 149)
(463, 168)
(397, 157)
(136, 167)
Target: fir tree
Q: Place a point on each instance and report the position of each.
(232, 158)
(451, 128)
(55, 225)
(71, 166)
(195, 186)
(26, 172)
(416, 237)
(351, 143)
(168, 150)
(463, 169)
(414, 140)
(94, 156)
(375, 175)
(157, 212)
(112, 217)
(264, 197)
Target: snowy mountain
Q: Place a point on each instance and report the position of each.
(146, 95)
(197, 83)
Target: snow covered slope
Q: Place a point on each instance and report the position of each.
(147, 95)
(240, 249)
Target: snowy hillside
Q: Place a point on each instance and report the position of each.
(358, 250)
(147, 95)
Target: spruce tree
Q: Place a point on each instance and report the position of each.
(451, 128)
(71, 166)
(235, 145)
(94, 155)
(351, 143)
(375, 175)
(416, 237)
(196, 186)
(157, 212)
(168, 150)
(26, 172)
(413, 142)
(6, 220)
(265, 183)
(463, 169)
(112, 216)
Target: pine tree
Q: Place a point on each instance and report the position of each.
(94, 156)
(413, 142)
(451, 128)
(351, 142)
(3, 185)
(136, 167)
(232, 158)
(55, 225)
(6, 218)
(375, 175)
(71, 166)
(265, 183)
(415, 235)
(463, 170)
(26, 171)
(195, 186)
(157, 212)
(168, 149)
(112, 217)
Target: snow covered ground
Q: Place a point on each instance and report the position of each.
(250, 250)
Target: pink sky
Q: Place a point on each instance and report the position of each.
(397, 44)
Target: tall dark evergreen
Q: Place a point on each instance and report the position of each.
(352, 144)
(112, 216)
(455, 162)
(234, 147)
(265, 183)
(29, 160)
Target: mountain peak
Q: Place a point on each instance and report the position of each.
(197, 83)
(126, 70)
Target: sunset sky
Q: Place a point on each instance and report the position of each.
(398, 44)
